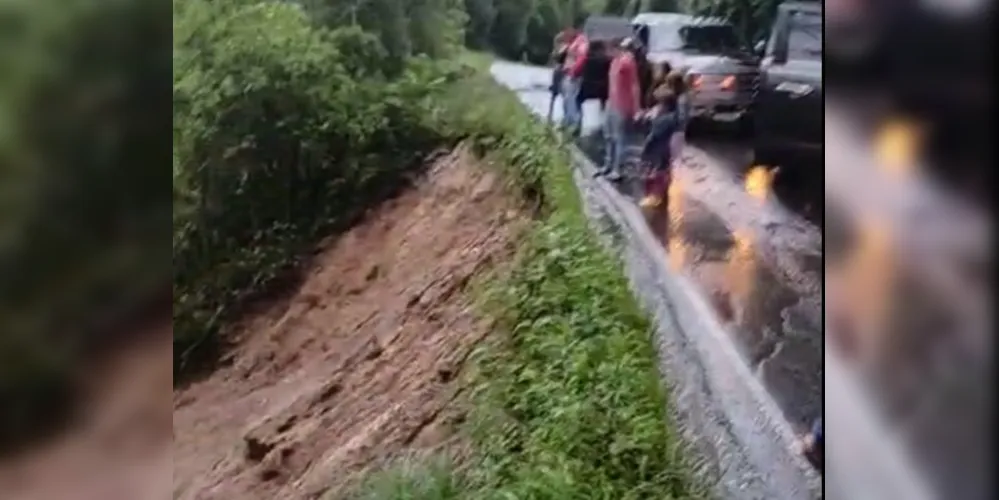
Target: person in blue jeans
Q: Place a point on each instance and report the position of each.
(572, 115)
(575, 60)
(623, 102)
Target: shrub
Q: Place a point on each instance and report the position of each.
(83, 95)
(283, 131)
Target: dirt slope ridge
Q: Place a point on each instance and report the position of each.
(359, 366)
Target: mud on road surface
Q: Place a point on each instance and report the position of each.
(362, 364)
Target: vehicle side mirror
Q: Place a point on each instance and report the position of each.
(759, 48)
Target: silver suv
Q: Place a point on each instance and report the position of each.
(722, 71)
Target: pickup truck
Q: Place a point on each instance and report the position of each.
(720, 69)
(788, 105)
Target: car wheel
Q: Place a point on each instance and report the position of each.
(744, 127)
(764, 156)
(698, 127)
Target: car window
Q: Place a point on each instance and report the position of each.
(700, 38)
(664, 37)
(804, 40)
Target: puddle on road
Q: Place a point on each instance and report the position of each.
(777, 331)
(934, 387)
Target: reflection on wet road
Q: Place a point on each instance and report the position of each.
(775, 321)
(758, 262)
(910, 307)
(777, 330)
(907, 274)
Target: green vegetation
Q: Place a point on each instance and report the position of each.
(272, 154)
(83, 210)
(568, 403)
(284, 130)
(289, 120)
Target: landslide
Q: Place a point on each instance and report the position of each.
(360, 366)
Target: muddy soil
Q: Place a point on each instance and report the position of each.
(118, 447)
(358, 367)
(362, 364)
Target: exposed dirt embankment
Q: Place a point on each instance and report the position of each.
(119, 445)
(360, 364)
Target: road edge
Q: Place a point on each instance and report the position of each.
(743, 443)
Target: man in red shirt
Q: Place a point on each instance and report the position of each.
(575, 59)
(623, 104)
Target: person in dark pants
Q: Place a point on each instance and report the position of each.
(656, 149)
(675, 81)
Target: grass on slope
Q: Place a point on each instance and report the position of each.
(568, 403)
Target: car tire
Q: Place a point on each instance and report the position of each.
(698, 127)
(744, 127)
(764, 156)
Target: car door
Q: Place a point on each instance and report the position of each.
(789, 101)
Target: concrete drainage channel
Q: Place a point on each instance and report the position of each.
(743, 444)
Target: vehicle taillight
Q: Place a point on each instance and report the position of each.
(728, 83)
(696, 81)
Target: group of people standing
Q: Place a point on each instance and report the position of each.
(664, 109)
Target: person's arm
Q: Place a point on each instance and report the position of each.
(636, 86)
(558, 49)
(580, 49)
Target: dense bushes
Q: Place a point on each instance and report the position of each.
(284, 130)
(84, 98)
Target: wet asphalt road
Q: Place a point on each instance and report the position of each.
(752, 252)
(908, 280)
(906, 269)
